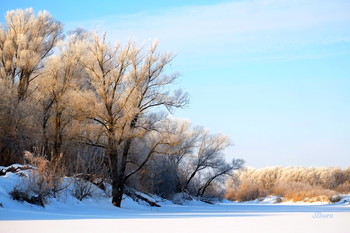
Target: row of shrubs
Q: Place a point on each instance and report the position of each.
(296, 184)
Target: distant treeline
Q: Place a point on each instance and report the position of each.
(291, 183)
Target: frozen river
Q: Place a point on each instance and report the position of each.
(193, 218)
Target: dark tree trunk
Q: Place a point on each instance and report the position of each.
(118, 164)
(23, 85)
(117, 192)
(45, 150)
(58, 136)
(191, 177)
(117, 188)
(118, 178)
(178, 187)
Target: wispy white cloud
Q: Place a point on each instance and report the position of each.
(248, 27)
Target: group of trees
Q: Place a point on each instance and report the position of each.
(76, 96)
(292, 183)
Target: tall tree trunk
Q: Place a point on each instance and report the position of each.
(117, 189)
(45, 150)
(58, 136)
(23, 85)
(118, 177)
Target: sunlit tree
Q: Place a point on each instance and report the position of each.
(129, 85)
(25, 41)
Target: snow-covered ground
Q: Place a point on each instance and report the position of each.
(67, 214)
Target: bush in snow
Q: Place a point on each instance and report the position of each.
(21, 196)
(43, 180)
(88, 176)
(83, 189)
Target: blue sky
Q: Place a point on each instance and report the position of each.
(274, 75)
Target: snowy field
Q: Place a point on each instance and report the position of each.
(67, 214)
(94, 216)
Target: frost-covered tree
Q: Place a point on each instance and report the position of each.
(167, 171)
(128, 85)
(175, 164)
(57, 85)
(220, 169)
(25, 41)
(208, 154)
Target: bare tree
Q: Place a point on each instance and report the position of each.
(220, 169)
(168, 144)
(208, 154)
(127, 83)
(56, 84)
(176, 155)
(25, 42)
(190, 161)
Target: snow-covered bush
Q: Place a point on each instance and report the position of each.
(39, 182)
